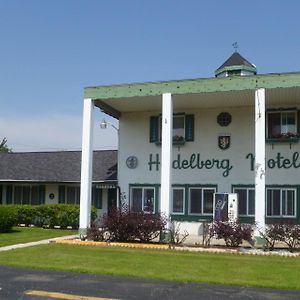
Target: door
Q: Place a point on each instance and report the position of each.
(111, 199)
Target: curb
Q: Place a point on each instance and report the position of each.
(168, 247)
(111, 244)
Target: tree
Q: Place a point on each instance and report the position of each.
(3, 146)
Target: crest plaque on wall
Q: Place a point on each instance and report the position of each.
(224, 141)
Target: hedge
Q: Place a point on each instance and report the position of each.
(8, 218)
(51, 215)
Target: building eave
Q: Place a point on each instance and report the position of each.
(194, 86)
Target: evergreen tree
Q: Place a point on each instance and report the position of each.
(3, 146)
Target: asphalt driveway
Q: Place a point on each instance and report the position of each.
(18, 283)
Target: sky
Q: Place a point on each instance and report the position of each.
(52, 49)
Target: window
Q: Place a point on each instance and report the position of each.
(178, 201)
(73, 194)
(281, 202)
(183, 128)
(27, 194)
(246, 201)
(224, 119)
(178, 128)
(201, 200)
(282, 124)
(142, 199)
(97, 196)
(70, 194)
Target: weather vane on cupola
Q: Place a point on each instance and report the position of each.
(235, 46)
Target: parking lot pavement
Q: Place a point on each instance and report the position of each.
(27, 284)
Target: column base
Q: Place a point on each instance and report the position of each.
(82, 233)
(259, 242)
(165, 236)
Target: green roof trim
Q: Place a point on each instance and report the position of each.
(193, 86)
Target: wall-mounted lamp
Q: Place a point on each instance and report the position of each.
(104, 123)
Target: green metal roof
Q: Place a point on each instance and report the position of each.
(192, 86)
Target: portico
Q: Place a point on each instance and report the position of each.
(247, 98)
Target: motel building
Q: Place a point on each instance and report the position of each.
(181, 141)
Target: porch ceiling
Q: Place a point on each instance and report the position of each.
(281, 89)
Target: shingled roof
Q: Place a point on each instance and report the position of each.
(236, 61)
(61, 166)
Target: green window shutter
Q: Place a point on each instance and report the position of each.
(9, 192)
(42, 192)
(189, 128)
(1, 193)
(154, 129)
(61, 194)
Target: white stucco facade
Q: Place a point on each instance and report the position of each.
(235, 167)
(256, 154)
(134, 140)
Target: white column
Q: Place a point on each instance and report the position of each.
(260, 136)
(86, 167)
(166, 153)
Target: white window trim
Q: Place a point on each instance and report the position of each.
(281, 112)
(178, 188)
(160, 126)
(143, 187)
(281, 215)
(247, 200)
(202, 200)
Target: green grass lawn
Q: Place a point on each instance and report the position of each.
(24, 235)
(228, 269)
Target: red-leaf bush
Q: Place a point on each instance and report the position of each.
(233, 232)
(273, 233)
(286, 232)
(96, 232)
(125, 225)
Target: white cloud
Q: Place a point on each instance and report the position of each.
(50, 132)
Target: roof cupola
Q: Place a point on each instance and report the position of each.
(236, 65)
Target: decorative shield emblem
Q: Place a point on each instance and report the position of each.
(224, 141)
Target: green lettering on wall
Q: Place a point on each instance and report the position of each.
(194, 162)
(279, 161)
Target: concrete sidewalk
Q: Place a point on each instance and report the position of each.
(30, 244)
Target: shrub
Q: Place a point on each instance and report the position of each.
(8, 218)
(126, 225)
(26, 214)
(97, 233)
(62, 215)
(233, 232)
(176, 238)
(286, 232)
(149, 226)
(273, 234)
(292, 236)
